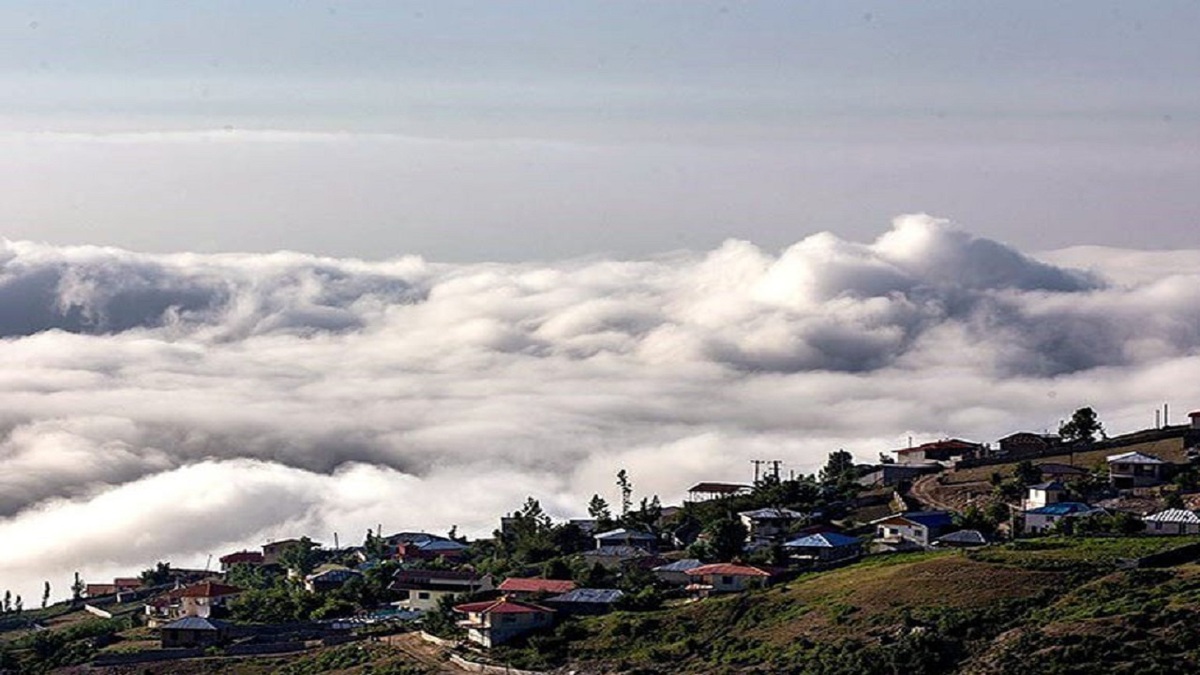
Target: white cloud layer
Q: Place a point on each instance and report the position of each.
(175, 406)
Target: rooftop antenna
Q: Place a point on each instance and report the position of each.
(1157, 418)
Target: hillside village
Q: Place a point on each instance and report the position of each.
(538, 593)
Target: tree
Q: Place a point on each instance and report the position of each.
(1027, 473)
(18, 605)
(839, 473)
(1082, 427)
(299, 556)
(375, 546)
(626, 491)
(45, 595)
(598, 509)
(7, 606)
(727, 537)
(158, 575)
(77, 588)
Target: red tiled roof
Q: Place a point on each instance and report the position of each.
(208, 589)
(502, 606)
(242, 557)
(127, 582)
(518, 585)
(728, 569)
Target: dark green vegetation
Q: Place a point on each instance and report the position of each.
(1052, 606)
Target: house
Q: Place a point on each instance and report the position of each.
(586, 525)
(725, 578)
(430, 549)
(676, 573)
(626, 537)
(914, 527)
(702, 492)
(421, 590)
(947, 450)
(770, 524)
(517, 587)
(194, 631)
(894, 474)
(240, 558)
(613, 557)
(1041, 520)
(961, 539)
(825, 547)
(1055, 471)
(1037, 496)
(273, 550)
(585, 601)
(206, 600)
(1135, 469)
(329, 577)
(1026, 444)
(494, 622)
(1172, 521)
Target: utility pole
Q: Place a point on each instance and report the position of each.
(757, 466)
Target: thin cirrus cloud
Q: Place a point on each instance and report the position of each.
(176, 406)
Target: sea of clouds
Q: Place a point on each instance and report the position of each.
(169, 407)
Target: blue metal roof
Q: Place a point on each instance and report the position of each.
(930, 519)
(823, 540)
(1061, 509)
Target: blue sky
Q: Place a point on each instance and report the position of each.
(1042, 124)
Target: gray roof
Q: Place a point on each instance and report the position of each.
(619, 551)
(772, 514)
(624, 534)
(678, 566)
(1049, 485)
(1173, 516)
(600, 596)
(196, 623)
(964, 537)
(1135, 458)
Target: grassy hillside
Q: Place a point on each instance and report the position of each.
(1003, 610)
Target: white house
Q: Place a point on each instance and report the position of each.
(1042, 519)
(914, 527)
(1043, 494)
(1172, 521)
(421, 590)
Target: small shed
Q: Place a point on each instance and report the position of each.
(194, 631)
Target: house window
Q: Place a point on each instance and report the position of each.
(422, 595)
(727, 580)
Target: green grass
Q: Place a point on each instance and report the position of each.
(1077, 553)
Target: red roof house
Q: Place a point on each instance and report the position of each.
(523, 588)
(495, 622)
